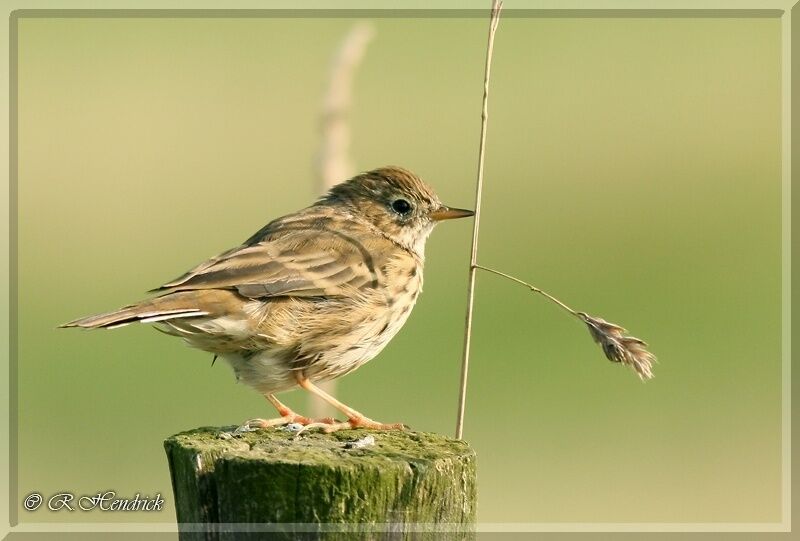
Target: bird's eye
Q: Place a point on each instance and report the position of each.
(401, 206)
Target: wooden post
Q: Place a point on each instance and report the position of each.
(271, 481)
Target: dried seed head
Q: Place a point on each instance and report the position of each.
(619, 347)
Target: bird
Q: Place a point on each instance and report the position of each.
(310, 297)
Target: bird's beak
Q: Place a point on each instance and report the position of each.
(446, 213)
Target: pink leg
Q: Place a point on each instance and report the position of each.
(354, 418)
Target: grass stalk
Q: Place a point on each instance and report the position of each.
(497, 6)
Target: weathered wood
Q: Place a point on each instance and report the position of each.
(270, 480)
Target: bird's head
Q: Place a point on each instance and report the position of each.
(397, 202)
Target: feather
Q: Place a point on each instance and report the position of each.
(303, 259)
(162, 308)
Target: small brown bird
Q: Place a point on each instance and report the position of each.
(311, 296)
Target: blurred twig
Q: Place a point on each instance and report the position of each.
(333, 164)
(333, 160)
(494, 20)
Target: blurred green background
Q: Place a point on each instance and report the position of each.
(633, 169)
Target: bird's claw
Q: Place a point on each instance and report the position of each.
(365, 422)
(250, 426)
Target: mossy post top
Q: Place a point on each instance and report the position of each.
(275, 477)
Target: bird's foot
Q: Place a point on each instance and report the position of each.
(366, 422)
(354, 422)
(287, 419)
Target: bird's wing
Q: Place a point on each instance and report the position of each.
(301, 260)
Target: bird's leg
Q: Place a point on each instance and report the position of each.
(287, 416)
(354, 418)
(286, 412)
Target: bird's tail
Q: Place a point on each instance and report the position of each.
(170, 306)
